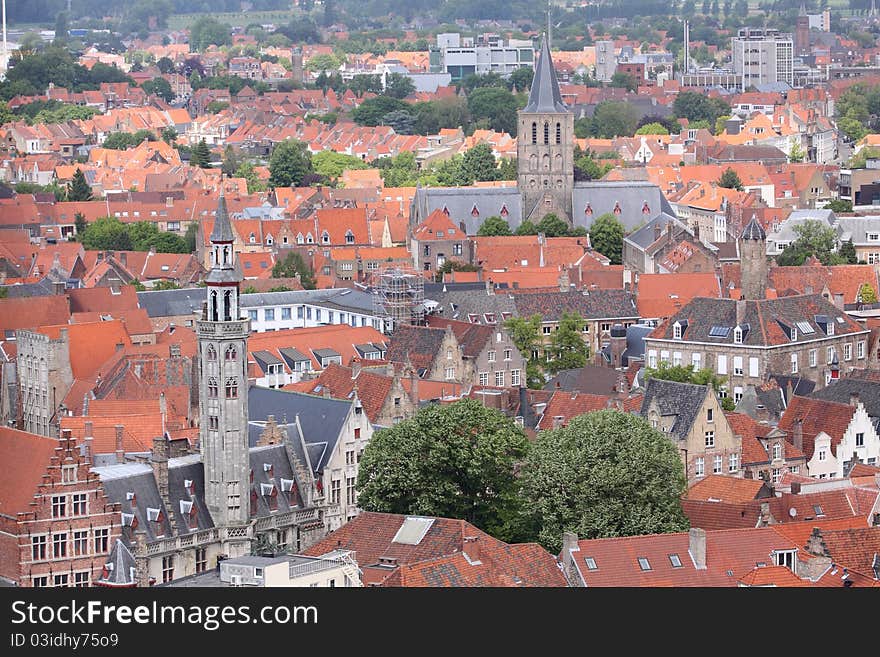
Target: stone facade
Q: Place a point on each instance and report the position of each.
(45, 376)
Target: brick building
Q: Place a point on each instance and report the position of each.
(57, 526)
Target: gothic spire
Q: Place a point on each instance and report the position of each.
(222, 228)
(544, 96)
(753, 230)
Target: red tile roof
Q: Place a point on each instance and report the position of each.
(725, 489)
(438, 225)
(31, 312)
(568, 405)
(663, 295)
(27, 457)
(91, 344)
(818, 415)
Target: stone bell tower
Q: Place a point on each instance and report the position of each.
(545, 147)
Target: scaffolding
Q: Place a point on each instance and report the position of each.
(399, 297)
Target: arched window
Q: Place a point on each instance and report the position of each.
(214, 311)
(349, 237)
(545, 162)
(211, 353)
(558, 133)
(227, 306)
(225, 255)
(231, 388)
(300, 239)
(534, 132)
(252, 238)
(231, 353)
(533, 162)
(212, 387)
(546, 133)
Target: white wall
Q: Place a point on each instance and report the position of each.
(860, 423)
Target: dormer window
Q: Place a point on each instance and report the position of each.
(349, 237)
(154, 515)
(588, 210)
(189, 486)
(252, 238)
(475, 212)
(504, 211)
(617, 209)
(325, 237)
(830, 328)
(676, 331)
(646, 209)
(737, 335)
(268, 469)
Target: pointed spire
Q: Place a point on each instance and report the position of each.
(222, 227)
(545, 96)
(803, 9)
(753, 230)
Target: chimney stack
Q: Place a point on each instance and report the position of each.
(569, 545)
(141, 560)
(471, 548)
(658, 230)
(120, 448)
(159, 462)
(795, 488)
(797, 434)
(854, 399)
(490, 287)
(355, 367)
(740, 312)
(697, 547)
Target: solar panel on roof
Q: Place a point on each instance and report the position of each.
(719, 331)
(413, 530)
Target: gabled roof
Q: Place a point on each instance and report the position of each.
(682, 400)
(817, 416)
(90, 344)
(27, 457)
(30, 312)
(416, 344)
(568, 405)
(726, 489)
(589, 304)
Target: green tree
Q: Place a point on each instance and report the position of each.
(606, 236)
(847, 252)
(494, 226)
(453, 461)
(289, 164)
(79, 188)
(399, 86)
(626, 81)
(399, 171)
(216, 106)
(730, 180)
(605, 474)
(80, 223)
(614, 119)
(685, 374)
(373, 110)
(207, 31)
(495, 107)
(479, 164)
(332, 165)
(192, 233)
(200, 156)
(169, 135)
(796, 151)
(160, 87)
(552, 226)
(292, 265)
(721, 124)
(867, 293)
(247, 171)
(507, 169)
(165, 65)
(401, 121)
(521, 79)
(839, 205)
(567, 349)
(653, 129)
(107, 233)
(814, 238)
(526, 228)
(694, 106)
(450, 266)
(525, 332)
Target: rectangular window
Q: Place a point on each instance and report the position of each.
(676, 358)
(349, 457)
(710, 415)
(492, 356)
(644, 564)
(168, 568)
(201, 560)
(753, 367)
(252, 315)
(591, 563)
(794, 469)
(546, 330)
(335, 487)
(514, 378)
(61, 581)
(794, 363)
(717, 464)
(499, 379)
(699, 466)
(777, 475)
(68, 474)
(40, 582)
(59, 506)
(59, 545)
(860, 349)
(269, 314)
(350, 494)
(722, 364)
(507, 355)
(80, 543)
(299, 312)
(733, 463)
(652, 358)
(696, 361)
(309, 313)
(675, 560)
(38, 548)
(79, 504)
(823, 454)
(317, 314)
(813, 357)
(484, 378)
(847, 351)
(737, 366)
(285, 313)
(450, 373)
(710, 439)
(102, 538)
(829, 356)
(860, 439)
(81, 580)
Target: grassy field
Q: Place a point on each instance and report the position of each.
(180, 21)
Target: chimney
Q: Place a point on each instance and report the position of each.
(761, 413)
(123, 258)
(622, 383)
(669, 230)
(569, 545)
(697, 547)
(141, 560)
(740, 311)
(490, 287)
(120, 449)
(355, 367)
(558, 420)
(414, 386)
(658, 230)
(797, 434)
(326, 392)
(795, 488)
(854, 399)
(159, 462)
(471, 548)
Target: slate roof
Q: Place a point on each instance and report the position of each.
(683, 400)
(418, 344)
(766, 319)
(646, 235)
(119, 569)
(544, 96)
(222, 231)
(840, 391)
(459, 304)
(753, 230)
(591, 379)
(589, 304)
(471, 337)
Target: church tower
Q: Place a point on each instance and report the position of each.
(223, 385)
(753, 261)
(545, 147)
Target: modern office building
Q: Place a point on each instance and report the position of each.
(762, 57)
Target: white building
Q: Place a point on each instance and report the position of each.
(273, 311)
(762, 57)
(461, 57)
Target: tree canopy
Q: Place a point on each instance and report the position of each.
(605, 474)
(730, 179)
(292, 265)
(289, 164)
(606, 236)
(814, 238)
(494, 226)
(453, 461)
(567, 349)
(79, 188)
